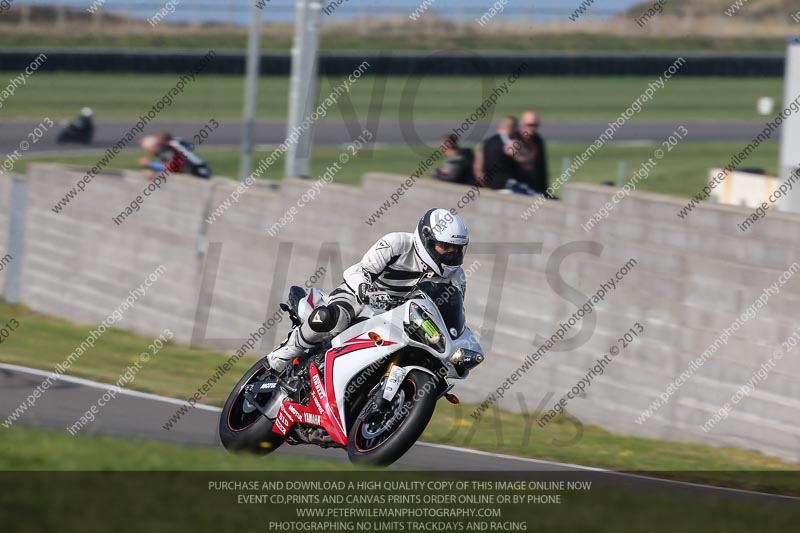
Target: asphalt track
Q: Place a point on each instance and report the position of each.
(139, 415)
(387, 133)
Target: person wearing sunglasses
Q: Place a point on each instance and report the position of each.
(531, 156)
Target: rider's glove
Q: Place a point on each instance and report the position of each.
(363, 296)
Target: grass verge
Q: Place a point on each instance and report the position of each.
(34, 449)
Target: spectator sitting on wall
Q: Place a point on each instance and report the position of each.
(458, 165)
(496, 166)
(175, 155)
(531, 154)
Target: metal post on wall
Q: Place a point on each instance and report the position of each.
(302, 90)
(16, 239)
(790, 128)
(566, 161)
(622, 172)
(250, 93)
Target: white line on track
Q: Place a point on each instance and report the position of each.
(204, 407)
(105, 386)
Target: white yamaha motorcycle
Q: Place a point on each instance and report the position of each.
(372, 389)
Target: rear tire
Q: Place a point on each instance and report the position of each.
(246, 432)
(421, 393)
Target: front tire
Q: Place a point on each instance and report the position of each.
(375, 441)
(246, 432)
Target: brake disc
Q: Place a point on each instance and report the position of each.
(399, 401)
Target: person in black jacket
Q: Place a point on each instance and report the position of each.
(458, 165)
(531, 154)
(497, 164)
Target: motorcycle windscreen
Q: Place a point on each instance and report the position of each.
(450, 302)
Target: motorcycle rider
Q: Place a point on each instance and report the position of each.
(79, 130)
(394, 265)
(175, 155)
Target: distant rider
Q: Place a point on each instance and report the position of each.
(81, 129)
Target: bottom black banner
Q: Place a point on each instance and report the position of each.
(387, 501)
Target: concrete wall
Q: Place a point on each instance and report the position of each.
(693, 278)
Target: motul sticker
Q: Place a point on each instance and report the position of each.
(295, 412)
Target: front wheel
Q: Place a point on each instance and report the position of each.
(379, 437)
(241, 426)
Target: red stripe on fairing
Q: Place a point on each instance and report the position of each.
(330, 419)
(326, 413)
(326, 420)
(311, 299)
(349, 346)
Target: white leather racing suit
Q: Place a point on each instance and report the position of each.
(391, 265)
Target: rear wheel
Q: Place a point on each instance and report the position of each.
(242, 427)
(380, 437)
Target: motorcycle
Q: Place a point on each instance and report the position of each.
(80, 130)
(371, 389)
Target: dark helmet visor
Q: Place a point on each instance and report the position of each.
(452, 258)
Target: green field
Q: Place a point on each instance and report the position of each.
(31, 449)
(127, 96)
(177, 371)
(682, 172)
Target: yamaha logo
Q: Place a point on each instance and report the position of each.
(310, 418)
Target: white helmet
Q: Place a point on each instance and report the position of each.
(441, 226)
(87, 112)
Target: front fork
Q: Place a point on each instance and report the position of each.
(388, 386)
(393, 378)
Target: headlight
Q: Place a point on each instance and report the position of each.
(423, 329)
(466, 359)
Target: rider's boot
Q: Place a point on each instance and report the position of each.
(294, 346)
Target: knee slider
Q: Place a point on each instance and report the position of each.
(323, 319)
